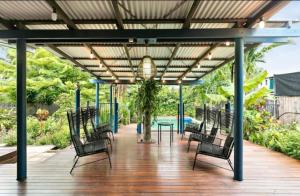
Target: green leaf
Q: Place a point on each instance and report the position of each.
(255, 81)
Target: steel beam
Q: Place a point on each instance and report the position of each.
(161, 35)
(181, 117)
(111, 120)
(21, 111)
(97, 104)
(238, 109)
(77, 108)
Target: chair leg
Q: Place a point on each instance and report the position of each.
(189, 144)
(113, 136)
(230, 164)
(74, 164)
(109, 159)
(195, 161)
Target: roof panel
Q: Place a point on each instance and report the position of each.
(154, 52)
(223, 52)
(87, 9)
(25, 10)
(108, 52)
(153, 26)
(191, 52)
(211, 25)
(183, 63)
(154, 9)
(97, 26)
(48, 26)
(228, 9)
(75, 51)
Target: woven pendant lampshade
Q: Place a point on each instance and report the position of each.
(147, 69)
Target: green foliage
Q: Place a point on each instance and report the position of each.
(147, 99)
(261, 129)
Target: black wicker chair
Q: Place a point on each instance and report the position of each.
(217, 151)
(91, 133)
(200, 137)
(193, 128)
(102, 128)
(90, 148)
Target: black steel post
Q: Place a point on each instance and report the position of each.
(21, 111)
(238, 109)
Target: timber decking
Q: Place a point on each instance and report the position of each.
(150, 169)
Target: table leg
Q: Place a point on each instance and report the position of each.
(158, 134)
(170, 136)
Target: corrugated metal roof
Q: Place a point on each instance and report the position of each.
(25, 10)
(97, 26)
(223, 52)
(191, 52)
(154, 9)
(76, 51)
(153, 26)
(87, 9)
(107, 52)
(139, 52)
(227, 9)
(143, 9)
(48, 26)
(211, 25)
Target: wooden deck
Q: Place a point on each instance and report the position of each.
(151, 169)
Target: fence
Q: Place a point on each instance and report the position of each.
(288, 109)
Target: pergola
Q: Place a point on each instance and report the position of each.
(186, 39)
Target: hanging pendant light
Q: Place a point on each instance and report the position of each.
(147, 69)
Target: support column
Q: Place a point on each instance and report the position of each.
(238, 109)
(97, 105)
(21, 111)
(116, 115)
(181, 117)
(77, 108)
(111, 106)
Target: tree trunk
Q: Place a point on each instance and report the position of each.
(147, 121)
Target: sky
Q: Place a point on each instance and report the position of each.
(285, 59)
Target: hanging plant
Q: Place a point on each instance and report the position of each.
(147, 104)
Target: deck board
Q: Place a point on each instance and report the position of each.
(151, 169)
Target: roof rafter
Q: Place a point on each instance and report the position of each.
(187, 22)
(118, 15)
(174, 52)
(201, 57)
(61, 14)
(129, 60)
(265, 12)
(71, 25)
(101, 60)
(70, 59)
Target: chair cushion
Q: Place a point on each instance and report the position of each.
(196, 137)
(208, 148)
(94, 146)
